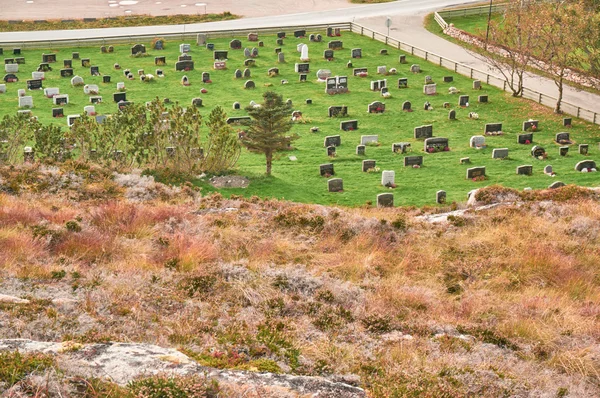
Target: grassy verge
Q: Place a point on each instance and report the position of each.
(113, 22)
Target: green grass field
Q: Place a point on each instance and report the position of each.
(300, 180)
(474, 24)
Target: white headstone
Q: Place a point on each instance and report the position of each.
(11, 68)
(430, 89)
(21, 92)
(548, 170)
(323, 74)
(2, 88)
(304, 53)
(381, 70)
(120, 86)
(71, 119)
(76, 81)
(477, 141)
(38, 75)
(365, 139)
(26, 101)
(185, 48)
(91, 89)
(299, 47)
(51, 91)
(90, 110)
(388, 177)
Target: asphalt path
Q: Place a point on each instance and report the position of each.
(407, 26)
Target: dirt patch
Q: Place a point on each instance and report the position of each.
(229, 182)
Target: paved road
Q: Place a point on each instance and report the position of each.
(407, 17)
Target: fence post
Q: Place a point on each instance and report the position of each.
(399, 46)
(440, 61)
(471, 73)
(386, 40)
(426, 53)
(487, 79)
(455, 67)
(412, 50)
(362, 31)
(373, 36)
(540, 100)
(504, 85)
(578, 110)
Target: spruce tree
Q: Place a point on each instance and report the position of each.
(267, 131)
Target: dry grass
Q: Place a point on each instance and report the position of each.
(506, 302)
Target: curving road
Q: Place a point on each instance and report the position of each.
(407, 26)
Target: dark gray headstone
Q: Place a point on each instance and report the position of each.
(335, 185)
(474, 172)
(385, 200)
(326, 169)
(525, 170)
(368, 164)
(440, 197)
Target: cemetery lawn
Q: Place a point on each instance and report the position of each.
(474, 24)
(300, 180)
(113, 22)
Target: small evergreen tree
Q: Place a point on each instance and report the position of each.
(266, 133)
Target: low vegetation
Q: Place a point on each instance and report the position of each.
(504, 301)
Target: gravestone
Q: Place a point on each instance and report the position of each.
(252, 36)
(219, 65)
(210, 46)
(463, 100)
(34, 84)
(567, 121)
(205, 77)
(57, 112)
(557, 184)
(335, 185)
(356, 53)
(75, 55)
(249, 62)
(120, 86)
(237, 74)
(184, 66)
(423, 132)
(61, 99)
(563, 138)
(406, 106)
(400, 147)
(38, 75)
(583, 149)
(388, 178)
(159, 73)
(197, 102)
(303, 77)
(428, 80)
(184, 57)
(138, 49)
(118, 97)
(249, 84)
(493, 127)
(436, 144)
(332, 140)
(335, 111)
(11, 68)
(415, 68)
(385, 200)
(238, 120)
(44, 67)
(328, 55)
(483, 99)
(281, 57)
(105, 79)
(95, 71)
(585, 165)
(220, 55)
(376, 107)
(403, 82)
(246, 52)
(89, 110)
(452, 115)
(335, 45)
(525, 138)
(185, 81)
(500, 153)
(525, 170)
(247, 73)
(382, 70)
(67, 63)
(302, 68)
(91, 89)
(477, 141)
(26, 102)
(96, 99)
(10, 78)
(281, 35)
(254, 52)
(185, 48)
(464, 161)
(330, 151)
(410, 161)
(349, 125)
(475, 172)
(369, 139)
(360, 150)
(430, 89)
(383, 52)
(326, 169)
(538, 152)
(77, 81)
(448, 79)
(563, 150)
(530, 124)
(279, 42)
(201, 39)
(476, 85)
(300, 33)
(48, 58)
(159, 61)
(159, 44)
(237, 106)
(376, 85)
(273, 72)
(85, 62)
(440, 197)
(368, 165)
(51, 92)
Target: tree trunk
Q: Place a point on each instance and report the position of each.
(269, 156)
(559, 83)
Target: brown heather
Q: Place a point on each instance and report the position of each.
(501, 302)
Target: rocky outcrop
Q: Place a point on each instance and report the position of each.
(123, 362)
